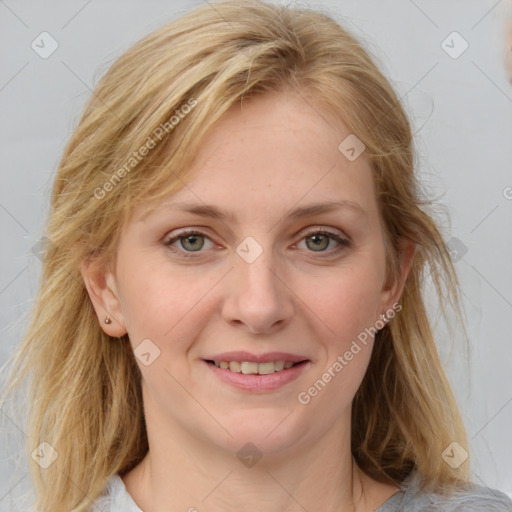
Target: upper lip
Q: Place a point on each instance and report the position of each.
(241, 356)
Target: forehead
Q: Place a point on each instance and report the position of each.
(274, 152)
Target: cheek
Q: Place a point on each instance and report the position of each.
(346, 306)
(346, 301)
(162, 305)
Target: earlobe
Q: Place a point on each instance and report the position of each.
(104, 296)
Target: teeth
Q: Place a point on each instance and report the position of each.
(266, 368)
(252, 368)
(234, 366)
(249, 368)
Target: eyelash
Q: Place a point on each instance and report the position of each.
(343, 242)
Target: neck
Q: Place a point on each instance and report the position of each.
(182, 473)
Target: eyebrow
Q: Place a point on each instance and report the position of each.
(206, 210)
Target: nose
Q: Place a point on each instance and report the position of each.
(258, 297)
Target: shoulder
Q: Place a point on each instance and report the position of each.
(115, 498)
(472, 498)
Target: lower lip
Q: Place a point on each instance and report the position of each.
(258, 383)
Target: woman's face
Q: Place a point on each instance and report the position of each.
(267, 278)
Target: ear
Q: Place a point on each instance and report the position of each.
(104, 296)
(392, 291)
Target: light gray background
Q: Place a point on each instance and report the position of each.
(461, 108)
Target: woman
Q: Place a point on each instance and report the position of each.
(231, 313)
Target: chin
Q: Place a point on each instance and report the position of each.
(269, 431)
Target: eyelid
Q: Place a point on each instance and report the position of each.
(186, 231)
(324, 229)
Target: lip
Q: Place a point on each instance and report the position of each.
(258, 383)
(241, 355)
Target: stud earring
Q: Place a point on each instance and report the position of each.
(108, 320)
(385, 320)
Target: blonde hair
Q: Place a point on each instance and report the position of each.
(84, 388)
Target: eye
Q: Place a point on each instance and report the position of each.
(190, 241)
(193, 241)
(319, 241)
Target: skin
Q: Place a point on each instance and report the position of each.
(261, 161)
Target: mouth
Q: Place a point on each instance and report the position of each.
(254, 368)
(257, 376)
(256, 372)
